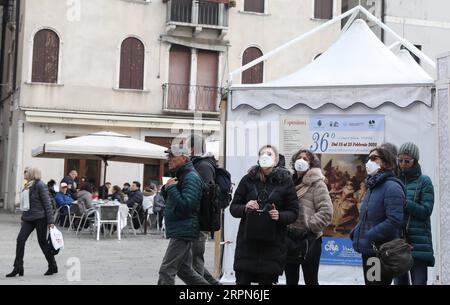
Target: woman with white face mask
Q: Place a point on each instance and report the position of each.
(315, 212)
(381, 214)
(260, 257)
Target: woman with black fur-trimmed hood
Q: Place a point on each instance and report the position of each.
(267, 192)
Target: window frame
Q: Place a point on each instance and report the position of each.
(264, 64)
(144, 76)
(264, 13)
(333, 11)
(59, 79)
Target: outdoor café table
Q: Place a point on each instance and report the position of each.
(123, 211)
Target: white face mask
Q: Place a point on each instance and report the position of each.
(266, 161)
(372, 167)
(301, 165)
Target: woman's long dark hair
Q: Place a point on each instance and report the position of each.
(390, 162)
(313, 160)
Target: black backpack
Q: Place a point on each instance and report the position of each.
(209, 212)
(224, 187)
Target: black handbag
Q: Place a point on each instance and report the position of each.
(258, 224)
(299, 244)
(395, 257)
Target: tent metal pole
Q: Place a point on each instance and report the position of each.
(403, 41)
(291, 42)
(394, 45)
(349, 22)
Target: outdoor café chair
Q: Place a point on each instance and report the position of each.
(67, 216)
(108, 214)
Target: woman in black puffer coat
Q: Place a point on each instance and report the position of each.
(262, 261)
(39, 217)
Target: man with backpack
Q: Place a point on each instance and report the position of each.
(182, 195)
(205, 164)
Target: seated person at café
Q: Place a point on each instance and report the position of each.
(103, 192)
(62, 198)
(135, 199)
(117, 194)
(84, 197)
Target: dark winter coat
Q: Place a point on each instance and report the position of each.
(205, 166)
(384, 201)
(40, 205)
(183, 204)
(134, 199)
(263, 257)
(419, 206)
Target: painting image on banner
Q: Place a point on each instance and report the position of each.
(345, 175)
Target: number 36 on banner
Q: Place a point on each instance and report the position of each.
(320, 141)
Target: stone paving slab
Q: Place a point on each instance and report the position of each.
(132, 260)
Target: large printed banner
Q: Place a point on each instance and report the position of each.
(342, 142)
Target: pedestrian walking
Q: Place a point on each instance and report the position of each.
(39, 217)
(182, 195)
(205, 164)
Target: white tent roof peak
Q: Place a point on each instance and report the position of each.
(109, 134)
(357, 58)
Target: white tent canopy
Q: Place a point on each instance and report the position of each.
(357, 75)
(359, 63)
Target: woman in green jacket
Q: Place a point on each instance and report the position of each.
(419, 206)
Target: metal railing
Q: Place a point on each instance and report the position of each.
(197, 12)
(179, 97)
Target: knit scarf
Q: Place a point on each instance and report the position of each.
(301, 189)
(372, 181)
(28, 185)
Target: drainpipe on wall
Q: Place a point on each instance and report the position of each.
(16, 47)
(19, 162)
(7, 169)
(383, 12)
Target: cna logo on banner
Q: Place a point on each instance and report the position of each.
(331, 247)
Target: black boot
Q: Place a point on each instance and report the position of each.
(16, 271)
(51, 270)
(52, 267)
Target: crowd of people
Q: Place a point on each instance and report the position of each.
(283, 212)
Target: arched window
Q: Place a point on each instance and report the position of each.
(253, 75)
(132, 54)
(45, 57)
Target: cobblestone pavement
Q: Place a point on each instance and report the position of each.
(132, 260)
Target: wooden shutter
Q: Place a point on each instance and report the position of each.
(132, 64)
(179, 77)
(323, 9)
(254, 6)
(253, 75)
(207, 90)
(45, 57)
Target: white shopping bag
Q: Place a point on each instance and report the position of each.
(57, 238)
(25, 200)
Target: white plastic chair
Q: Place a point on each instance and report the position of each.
(108, 214)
